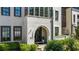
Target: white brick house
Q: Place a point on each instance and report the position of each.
(30, 24)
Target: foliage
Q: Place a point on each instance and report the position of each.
(54, 45)
(15, 46)
(62, 45)
(77, 32)
(27, 47)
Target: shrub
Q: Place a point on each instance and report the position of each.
(69, 44)
(54, 45)
(33, 47)
(62, 45)
(27, 47)
(24, 47)
(77, 32)
(13, 46)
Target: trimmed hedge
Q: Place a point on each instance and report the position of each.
(15, 46)
(27, 47)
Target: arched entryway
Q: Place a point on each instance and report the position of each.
(41, 35)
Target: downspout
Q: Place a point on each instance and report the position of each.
(51, 23)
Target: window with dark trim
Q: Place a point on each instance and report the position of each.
(26, 11)
(31, 10)
(78, 16)
(56, 31)
(46, 11)
(5, 33)
(56, 15)
(5, 11)
(41, 11)
(74, 18)
(17, 11)
(37, 11)
(51, 11)
(17, 30)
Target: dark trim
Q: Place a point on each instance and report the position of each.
(2, 30)
(57, 12)
(25, 11)
(71, 21)
(14, 32)
(15, 12)
(2, 11)
(52, 24)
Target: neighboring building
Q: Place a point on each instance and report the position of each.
(29, 24)
(71, 19)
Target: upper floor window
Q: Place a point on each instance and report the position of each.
(46, 11)
(41, 11)
(5, 11)
(51, 11)
(56, 15)
(17, 11)
(74, 18)
(37, 11)
(78, 16)
(26, 11)
(31, 10)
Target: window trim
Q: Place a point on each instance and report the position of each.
(56, 34)
(15, 12)
(56, 19)
(37, 14)
(2, 34)
(74, 18)
(14, 32)
(2, 11)
(77, 16)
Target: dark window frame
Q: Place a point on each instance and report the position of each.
(36, 11)
(78, 16)
(74, 18)
(2, 34)
(46, 12)
(14, 32)
(20, 12)
(56, 15)
(2, 11)
(31, 11)
(42, 11)
(26, 11)
(56, 31)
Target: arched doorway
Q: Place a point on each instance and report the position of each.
(41, 36)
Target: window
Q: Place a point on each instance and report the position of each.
(31, 10)
(5, 11)
(5, 33)
(50, 11)
(46, 11)
(17, 11)
(56, 31)
(37, 11)
(26, 11)
(41, 11)
(56, 15)
(74, 18)
(77, 16)
(17, 33)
